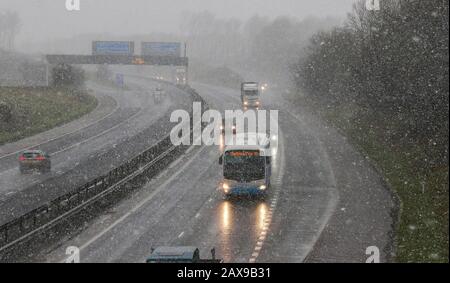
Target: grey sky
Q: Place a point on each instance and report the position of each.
(48, 19)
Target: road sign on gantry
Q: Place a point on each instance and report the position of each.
(120, 81)
(170, 49)
(112, 48)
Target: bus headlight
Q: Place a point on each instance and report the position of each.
(262, 188)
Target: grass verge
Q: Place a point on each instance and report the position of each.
(35, 110)
(423, 189)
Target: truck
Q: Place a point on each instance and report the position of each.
(250, 95)
(246, 166)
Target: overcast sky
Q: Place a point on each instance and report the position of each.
(49, 19)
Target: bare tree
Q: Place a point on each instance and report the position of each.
(9, 28)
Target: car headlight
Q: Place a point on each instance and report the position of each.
(226, 188)
(262, 188)
(245, 103)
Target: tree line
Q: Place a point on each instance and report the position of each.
(257, 44)
(392, 63)
(9, 27)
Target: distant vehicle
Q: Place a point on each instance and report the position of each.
(223, 127)
(247, 168)
(250, 95)
(264, 87)
(180, 76)
(159, 90)
(34, 159)
(180, 255)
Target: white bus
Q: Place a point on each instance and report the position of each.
(246, 166)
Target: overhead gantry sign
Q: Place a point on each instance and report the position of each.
(117, 60)
(122, 53)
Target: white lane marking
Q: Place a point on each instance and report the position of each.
(175, 163)
(268, 217)
(66, 134)
(181, 235)
(98, 135)
(197, 215)
(141, 204)
(189, 149)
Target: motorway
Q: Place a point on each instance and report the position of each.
(327, 203)
(132, 125)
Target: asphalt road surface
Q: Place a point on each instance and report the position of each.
(134, 125)
(326, 204)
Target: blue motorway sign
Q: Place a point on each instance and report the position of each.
(120, 81)
(161, 49)
(113, 48)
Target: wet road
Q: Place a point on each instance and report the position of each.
(137, 109)
(183, 206)
(326, 203)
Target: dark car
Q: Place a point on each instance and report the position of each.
(34, 159)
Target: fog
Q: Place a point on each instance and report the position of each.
(44, 21)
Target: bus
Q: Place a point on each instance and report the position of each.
(247, 166)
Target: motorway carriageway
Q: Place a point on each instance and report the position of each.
(326, 204)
